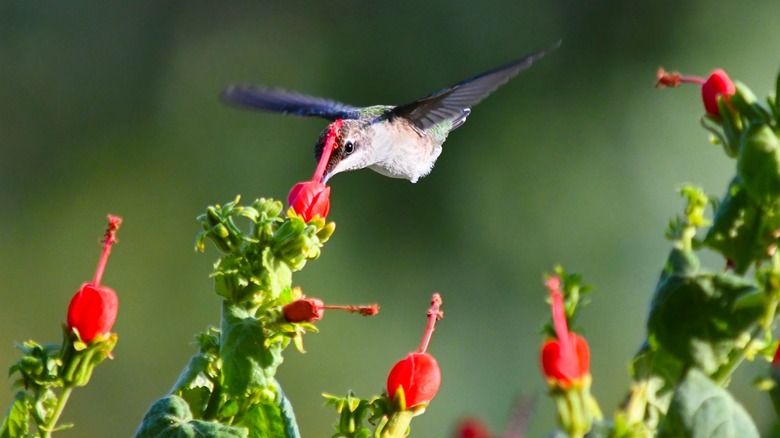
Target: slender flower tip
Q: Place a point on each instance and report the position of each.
(92, 311)
(665, 79)
(553, 284)
(310, 199)
(472, 427)
(717, 84)
(304, 310)
(418, 375)
(113, 226)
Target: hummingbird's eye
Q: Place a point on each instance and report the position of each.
(349, 147)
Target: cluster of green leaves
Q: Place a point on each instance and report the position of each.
(229, 388)
(47, 376)
(702, 324)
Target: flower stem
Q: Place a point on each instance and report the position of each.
(48, 427)
(434, 314)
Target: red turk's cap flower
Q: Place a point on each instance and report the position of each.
(309, 199)
(312, 309)
(92, 311)
(718, 83)
(304, 310)
(472, 428)
(418, 373)
(419, 376)
(565, 359)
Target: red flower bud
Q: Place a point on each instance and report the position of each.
(562, 368)
(312, 309)
(309, 199)
(419, 375)
(304, 310)
(565, 359)
(472, 428)
(92, 311)
(717, 84)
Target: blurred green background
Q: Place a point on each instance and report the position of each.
(112, 107)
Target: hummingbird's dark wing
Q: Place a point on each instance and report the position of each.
(286, 102)
(453, 103)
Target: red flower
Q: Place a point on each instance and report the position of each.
(718, 83)
(312, 309)
(419, 376)
(304, 310)
(312, 198)
(472, 428)
(418, 373)
(565, 359)
(92, 311)
(309, 199)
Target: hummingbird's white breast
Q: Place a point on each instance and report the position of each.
(402, 151)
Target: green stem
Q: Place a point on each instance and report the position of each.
(398, 424)
(735, 358)
(48, 427)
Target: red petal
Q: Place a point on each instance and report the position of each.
(718, 83)
(92, 311)
(419, 375)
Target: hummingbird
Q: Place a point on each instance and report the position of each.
(401, 141)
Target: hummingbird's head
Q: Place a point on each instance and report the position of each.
(351, 151)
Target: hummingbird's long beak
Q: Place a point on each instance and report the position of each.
(326, 177)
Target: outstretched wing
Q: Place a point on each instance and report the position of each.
(282, 101)
(453, 103)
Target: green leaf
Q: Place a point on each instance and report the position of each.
(17, 421)
(267, 420)
(170, 417)
(737, 228)
(758, 164)
(702, 409)
(248, 365)
(279, 276)
(695, 316)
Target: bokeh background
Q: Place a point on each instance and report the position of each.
(112, 107)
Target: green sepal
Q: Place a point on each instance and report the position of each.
(17, 420)
(703, 338)
(79, 358)
(702, 408)
(748, 105)
(170, 417)
(758, 164)
(248, 364)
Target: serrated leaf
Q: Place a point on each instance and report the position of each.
(737, 228)
(17, 421)
(170, 417)
(694, 316)
(247, 363)
(279, 276)
(702, 409)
